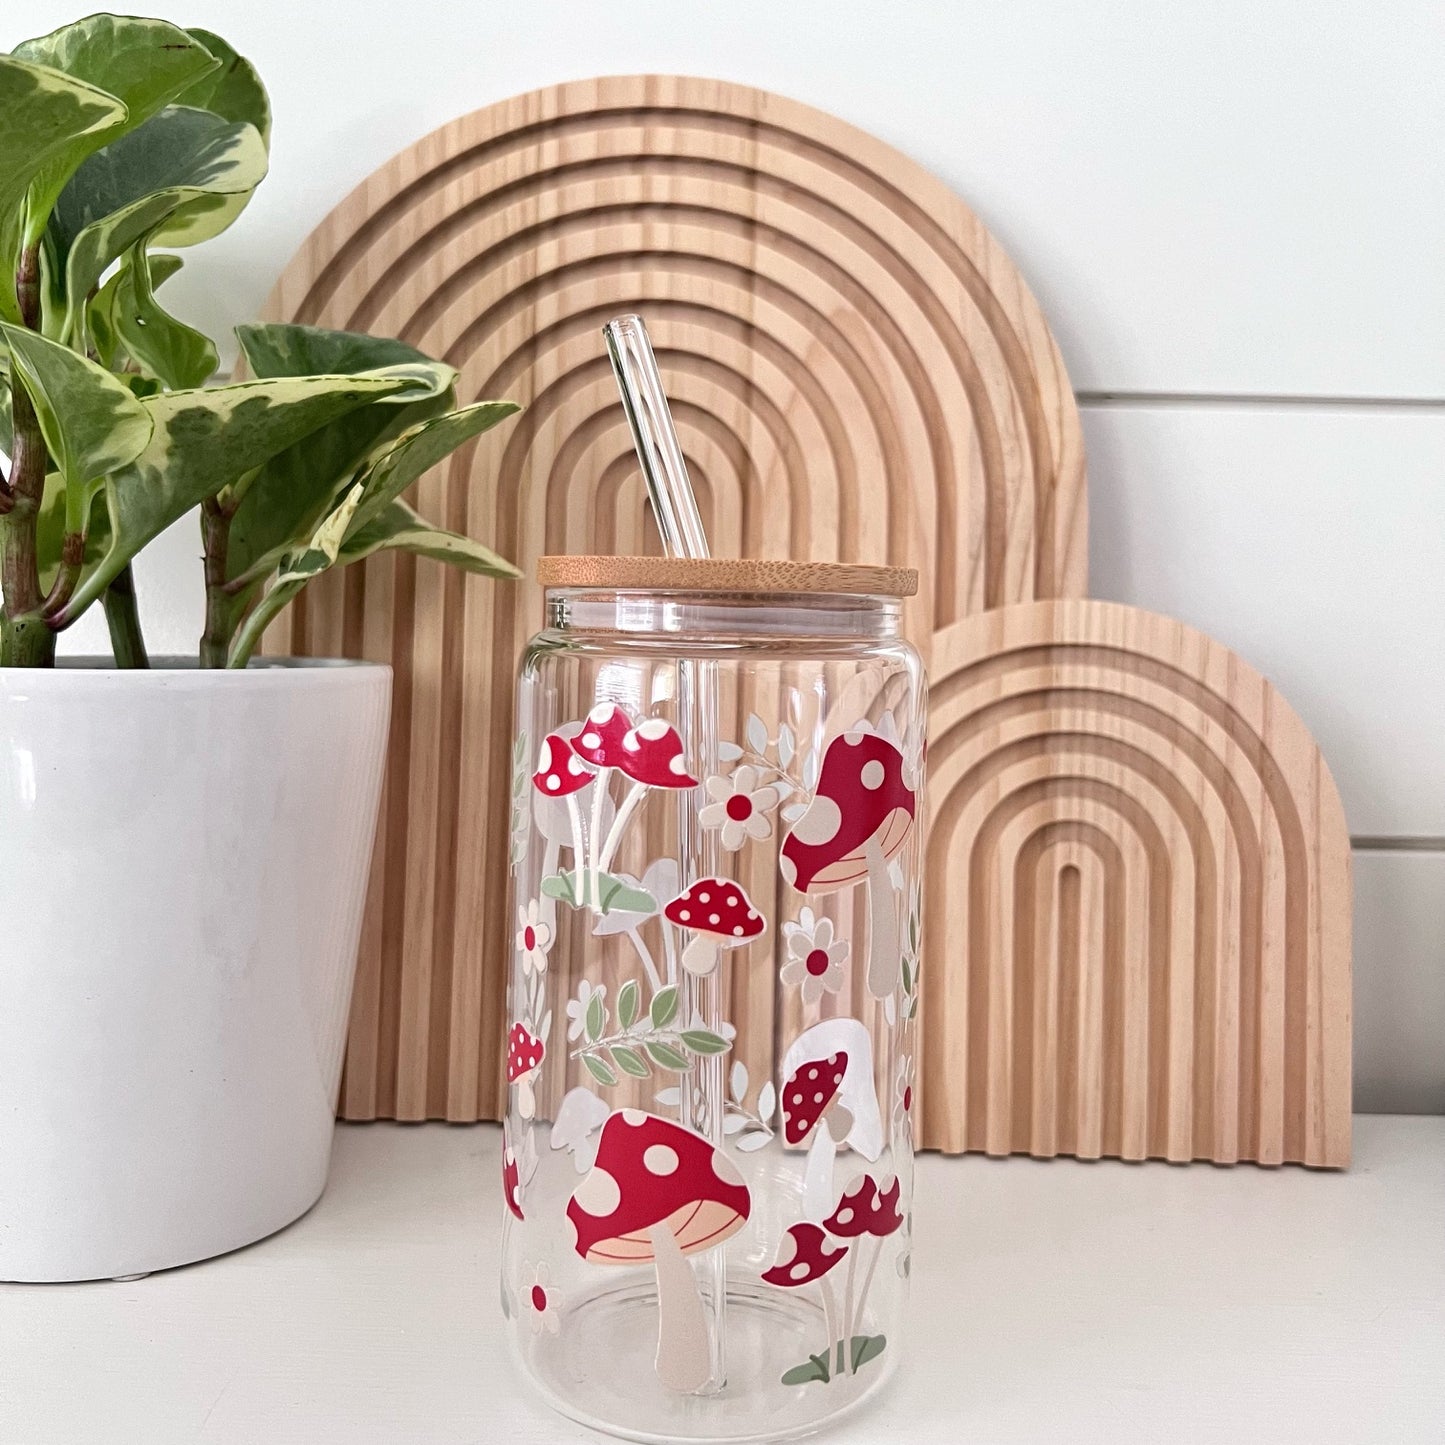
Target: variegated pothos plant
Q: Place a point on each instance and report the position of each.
(120, 137)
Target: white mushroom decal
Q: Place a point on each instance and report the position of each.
(657, 1194)
(579, 1116)
(828, 1098)
(719, 914)
(860, 815)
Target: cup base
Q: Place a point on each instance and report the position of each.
(599, 1369)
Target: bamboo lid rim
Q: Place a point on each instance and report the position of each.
(728, 574)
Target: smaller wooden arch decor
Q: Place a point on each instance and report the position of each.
(1138, 899)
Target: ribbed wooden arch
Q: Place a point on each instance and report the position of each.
(858, 373)
(1142, 861)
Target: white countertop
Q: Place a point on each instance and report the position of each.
(1059, 1302)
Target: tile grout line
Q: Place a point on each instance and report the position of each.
(1225, 398)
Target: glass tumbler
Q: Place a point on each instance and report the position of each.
(717, 837)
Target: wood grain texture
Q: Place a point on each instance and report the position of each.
(1139, 861)
(857, 372)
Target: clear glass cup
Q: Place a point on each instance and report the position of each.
(717, 839)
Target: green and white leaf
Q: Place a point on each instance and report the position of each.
(233, 90)
(144, 64)
(596, 1017)
(91, 423)
(176, 354)
(401, 528)
(101, 317)
(203, 440)
(421, 447)
(166, 180)
(43, 114)
(669, 1057)
(294, 490)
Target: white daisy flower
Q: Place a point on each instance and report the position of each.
(534, 937)
(577, 1007)
(904, 1098)
(739, 806)
(815, 959)
(539, 1300)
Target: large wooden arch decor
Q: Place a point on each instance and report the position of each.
(858, 373)
(1142, 863)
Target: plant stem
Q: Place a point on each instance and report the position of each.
(216, 540)
(25, 639)
(854, 1326)
(123, 620)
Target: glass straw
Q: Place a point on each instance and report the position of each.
(664, 471)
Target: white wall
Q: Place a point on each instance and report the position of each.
(1232, 213)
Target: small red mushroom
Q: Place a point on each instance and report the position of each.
(524, 1055)
(657, 1194)
(720, 915)
(860, 815)
(562, 774)
(600, 740)
(867, 1208)
(651, 755)
(841, 1050)
(804, 1256)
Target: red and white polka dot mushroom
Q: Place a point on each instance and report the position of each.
(859, 817)
(657, 1194)
(562, 774)
(525, 1053)
(719, 914)
(828, 1098)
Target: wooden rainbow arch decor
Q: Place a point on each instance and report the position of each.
(1140, 864)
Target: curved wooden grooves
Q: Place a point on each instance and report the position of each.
(857, 373)
(1142, 861)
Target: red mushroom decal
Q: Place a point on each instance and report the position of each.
(719, 913)
(511, 1173)
(867, 1207)
(805, 1257)
(651, 755)
(860, 815)
(828, 1098)
(524, 1055)
(657, 1194)
(562, 774)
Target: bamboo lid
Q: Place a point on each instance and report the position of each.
(727, 574)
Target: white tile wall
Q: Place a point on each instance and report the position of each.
(1212, 198)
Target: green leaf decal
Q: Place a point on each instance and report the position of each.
(629, 1001)
(664, 1006)
(702, 1041)
(630, 1061)
(599, 1071)
(90, 422)
(667, 1057)
(596, 1017)
(814, 1369)
(867, 1347)
(560, 886)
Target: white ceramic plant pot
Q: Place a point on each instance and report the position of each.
(183, 865)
